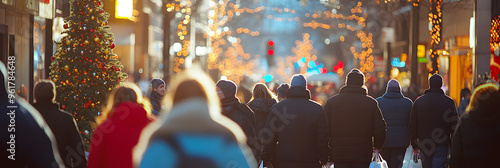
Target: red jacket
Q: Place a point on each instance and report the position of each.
(114, 139)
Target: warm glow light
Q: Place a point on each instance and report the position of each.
(124, 9)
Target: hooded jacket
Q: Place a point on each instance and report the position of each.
(354, 118)
(476, 139)
(69, 141)
(298, 124)
(113, 140)
(396, 110)
(261, 107)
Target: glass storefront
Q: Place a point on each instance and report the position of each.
(455, 65)
(39, 29)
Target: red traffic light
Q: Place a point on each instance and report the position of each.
(270, 42)
(270, 52)
(341, 64)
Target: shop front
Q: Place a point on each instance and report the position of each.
(455, 65)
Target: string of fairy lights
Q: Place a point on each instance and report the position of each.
(184, 8)
(220, 56)
(435, 19)
(495, 33)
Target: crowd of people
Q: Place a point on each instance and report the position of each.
(199, 123)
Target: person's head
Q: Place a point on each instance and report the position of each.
(298, 81)
(45, 92)
(394, 85)
(127, 92)
(226, 89)
(158, 86)
(355, 78)
(485, 95)
(191, 84)
(435, 81)
(260, 90)
(188, 89)
(282, 90)
(465, 93)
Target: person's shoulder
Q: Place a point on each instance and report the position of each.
(332, 99)
(314, 104)
(450, 100)
(65, 115)
(370, 99)
(405, 101)
(245, 108)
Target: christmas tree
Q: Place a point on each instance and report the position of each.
(84, 67)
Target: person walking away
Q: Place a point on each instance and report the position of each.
(464, 101)
(119, 127)
(238, 112)
(396, 110)
(194, 133)
(432, 120)
(298, 131)
(62, 124)
(156, 95)
(282, 91)
(27, 140)
(261, 103)
(354, 119)
(475, 142)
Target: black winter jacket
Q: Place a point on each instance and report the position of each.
(354, 118)
(396, 112)
(432, 121)
(298, 124)
(69, 141)
(242, 115)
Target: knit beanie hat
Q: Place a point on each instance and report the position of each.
(227, 87)
(435, 81)
(393, 84)
(283, 89)
(355, 78)
(298, 80)
(155, 83)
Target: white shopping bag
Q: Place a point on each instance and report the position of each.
(415, 161)
(378, 161)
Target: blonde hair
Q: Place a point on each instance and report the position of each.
(260, 90)
(193, 77)
(125, 92)
(481, 93)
